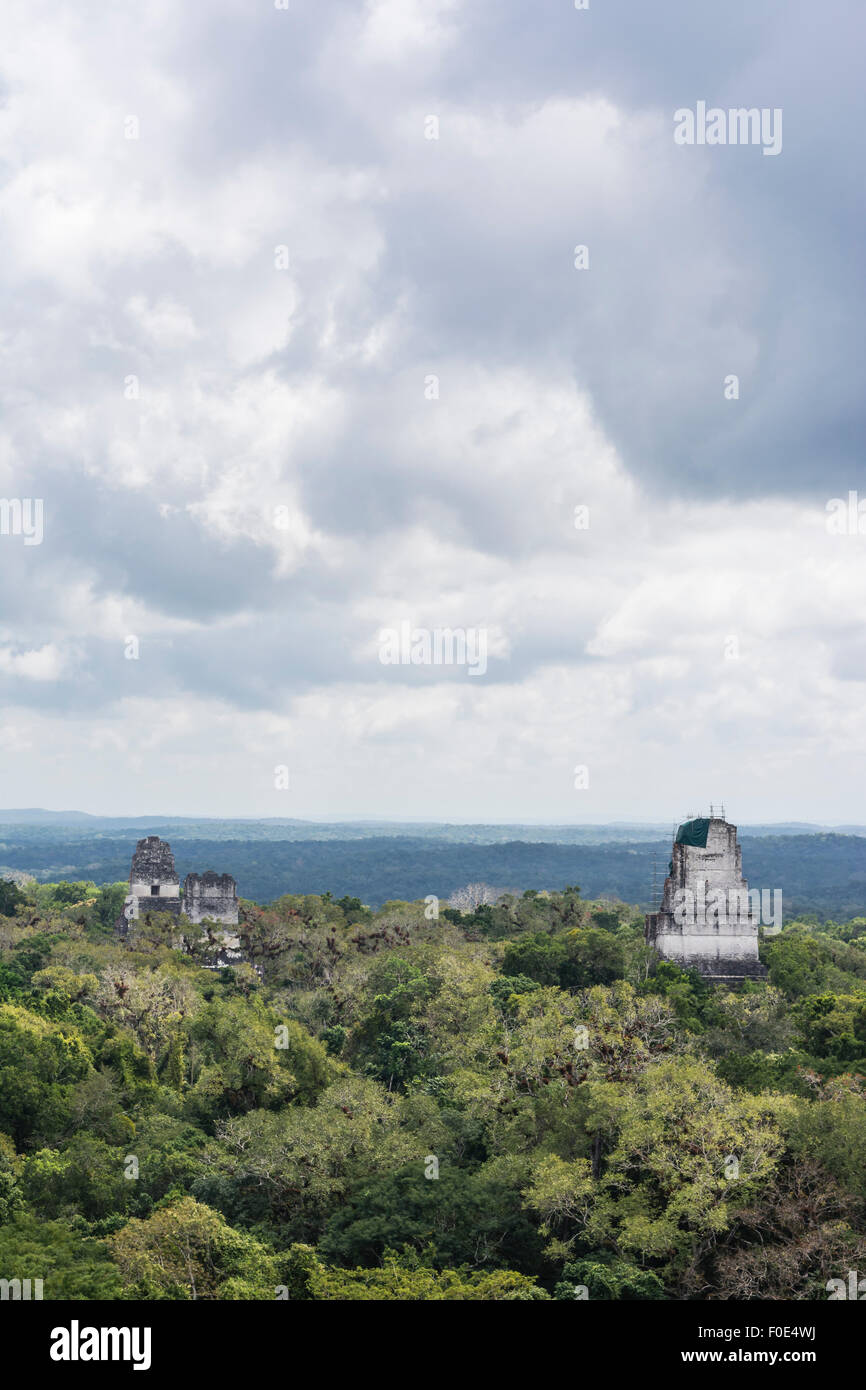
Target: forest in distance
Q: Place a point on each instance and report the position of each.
(512, 1102)
(820, 873)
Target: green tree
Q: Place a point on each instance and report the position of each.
(184, 1250)
(11, 1198)
(678, 1148)
(591, 958)
(797, 965)
(456, 1218)
(39, 1063)
(604, 1276)
(86, 1178)
(11, 897)
(403, 1278)
(536, 955)
(248, 1058)
(834, 1025)
(290, 1169)
(389, 1041)
(72, 1266)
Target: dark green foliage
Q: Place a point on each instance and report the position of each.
(460, 1217)
(71, 1264)
(388, 1042)
(62, 894)
(11, 897)
(604, 1276)
(834, 1026)
(32, 954)
(576, 960)
(11, 983)
(354, 910)
(537, 956)
(334, 1038)
(507, 990)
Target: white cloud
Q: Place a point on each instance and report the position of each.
(397, 31)
(41, 664)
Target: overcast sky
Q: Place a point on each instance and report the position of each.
(233, 258)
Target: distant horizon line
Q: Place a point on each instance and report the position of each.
(6, 815)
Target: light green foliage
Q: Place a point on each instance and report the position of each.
(676, 1145)
(301, 1162)
(186, 1251)
(39, 1063)
(831, 1129)
(403, 1279)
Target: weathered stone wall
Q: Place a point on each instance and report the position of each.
(153, 867)
(154, 885)
(723, 946)
(211, 895)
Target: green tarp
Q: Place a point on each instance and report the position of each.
(694, 832)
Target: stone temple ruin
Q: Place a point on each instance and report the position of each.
(154, 886)
(708, 920)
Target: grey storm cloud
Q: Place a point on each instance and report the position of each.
(719, 266)
(151, 261)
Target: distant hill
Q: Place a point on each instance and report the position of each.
(49, 823)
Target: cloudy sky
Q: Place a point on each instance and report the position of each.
(295, 350)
